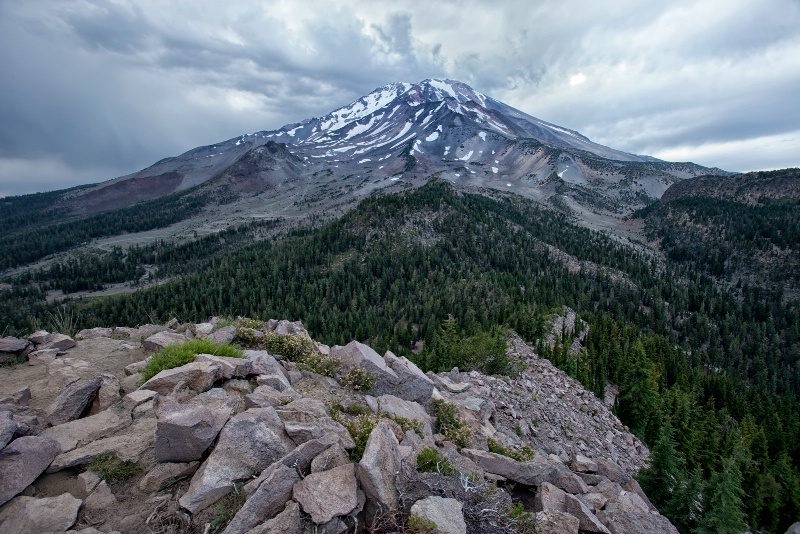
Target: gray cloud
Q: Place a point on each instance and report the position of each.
(93, 89)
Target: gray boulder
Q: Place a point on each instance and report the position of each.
(25, 515)
(581, 464)
(378, 468)
(248, 443)
(185, 431)
(446, 514)
(329, 459)
(266, 502)
(264, 396)
(553, 522)
(264, 363)
(13, 349)
(530, 473)
(58, 342)
(7, 428)
(299, 458)
(231, 367)
(619, 522)
(73, 401)
(198, 376)
(83, 431)
(93, 333)
(412, 384)
(549, 497)
(161, 475)
(328, 494)
(223, 336)
(356, 355)
(286, 522)
(588, 521)
(396, 406)
(22, 461)
(159, 340)
(107, 394)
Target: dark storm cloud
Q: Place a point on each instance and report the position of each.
(95, 89)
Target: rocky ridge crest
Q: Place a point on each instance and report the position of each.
(262, 444)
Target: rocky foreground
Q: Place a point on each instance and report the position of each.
(259, 445)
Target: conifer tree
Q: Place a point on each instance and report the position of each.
(724, 509)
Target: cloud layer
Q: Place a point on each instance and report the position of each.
(92, 90)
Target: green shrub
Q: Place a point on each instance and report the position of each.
(431, 461)
(359, 380)
(449, 424)
(359, 426)
(226, 508)
(246, 322)
(522, 454)
(407, 424)
(111, 469)
(419, 525)
(290, 346)
(318, 363)
(183, 353)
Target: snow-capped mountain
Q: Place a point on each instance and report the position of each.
(404, 133)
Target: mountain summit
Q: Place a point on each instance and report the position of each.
(398, 135)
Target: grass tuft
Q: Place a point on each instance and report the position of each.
(182, 353)
(111, 469)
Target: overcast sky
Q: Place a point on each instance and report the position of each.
(91, 90)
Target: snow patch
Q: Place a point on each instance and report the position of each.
(432, 137)
(482, 135)
(364, 161)
(466, 158)
(495, 169)
(446, 150)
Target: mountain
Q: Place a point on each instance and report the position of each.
(744, 230)
(401, 133)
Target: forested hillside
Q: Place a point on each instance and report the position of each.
(707, 379)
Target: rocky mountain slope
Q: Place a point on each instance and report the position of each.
(264, 444)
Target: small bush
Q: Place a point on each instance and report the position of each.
(246, 322)
(318, 363)
(248, 337)
(521, 455)
(419, 525)
(226, 509)
(431, 461)
(112, 469)
(410, 424)
(359, 427)
(355, 408)
(182, 353)
(290, 346)
(359, 380)
(448, 423)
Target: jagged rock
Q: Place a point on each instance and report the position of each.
(129, 446)
(185, 431)
(549, 497)
(88, 481)
(137, 367)
(25, 515)
(159, 340)
(588, 521)
(161, 475)
(12, 349)
(446, 514)
(794, 529)
(58, 342)
(634, 487)
(307, 410)
(264, 363)
(356, 355)
(145, 331)
(378, 469)
(248, 443)
(286, 522)
(19, 398)
(223, 336)
(264, 504)
(611, 471)
(329, 459)
(63, 372)
(619, 522)
(627, 501)
(449, 385)
(83, 431)
(107, 394)
(101, 499)
(553, 522)
(287, 327)
(299, 458)
(71, 403)
(131, 383)
(138, 397)
(328, 494)
(7, 428)
(594, 501)
(231, 367)
(275, 381)
(396, 406)
(42, 357)
(22, 461)
(530, 473)
(590, 479)
(581, 464)
(412, 384)
(93, 333)
(264, 396)
(39, 337)
(302, 432)
(198, 376)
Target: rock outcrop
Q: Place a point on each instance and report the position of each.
(286, 450)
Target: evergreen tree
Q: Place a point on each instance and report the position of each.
(666, 470)
(724, 509)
